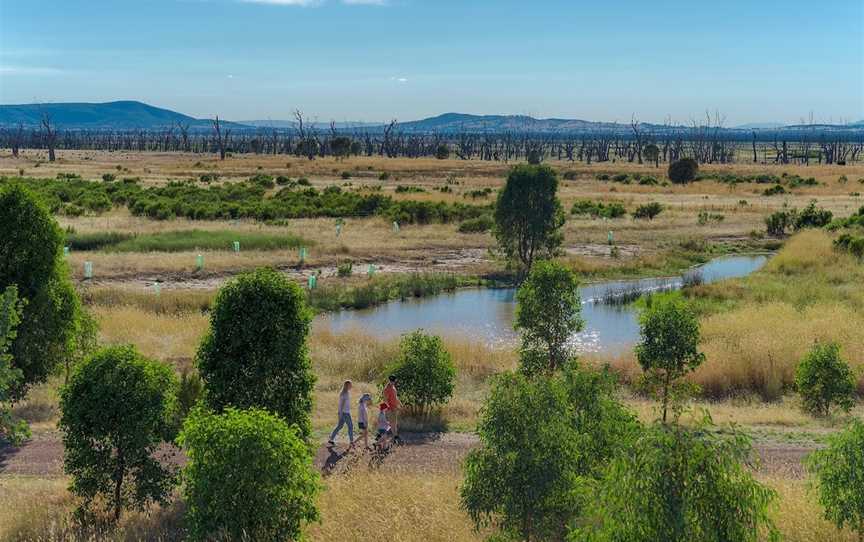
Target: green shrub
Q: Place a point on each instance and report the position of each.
(598, 209)
(31, 258)
(480, 224)
(852, 244)
(775, 190)
(648, 210)
(570, 175)
(345, 269)
(683, 171)
(116, 410)
(95, 240)
(109, 178)
(282, 180)
(264, 181)
(839, 473)
(648, 181)
(543, 441)
(621, 178)
(681, 485)
(824, 379)
(242, 370)
(249, 477)
(777, 222)
(346, 175)
(383, 176)
(812, 217)
(442, 152)
(425, 373)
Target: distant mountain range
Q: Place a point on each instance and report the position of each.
(132, 115)
(123, 115)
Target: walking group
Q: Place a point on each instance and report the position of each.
(387, 427)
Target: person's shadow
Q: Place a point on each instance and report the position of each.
(333, 458)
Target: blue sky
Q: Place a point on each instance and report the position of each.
(754, 61)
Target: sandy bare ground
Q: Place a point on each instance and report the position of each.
(433, 453)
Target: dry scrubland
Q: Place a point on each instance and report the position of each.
(754, 329)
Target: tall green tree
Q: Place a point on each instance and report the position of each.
(548, 313)
(669, 347)
(117, 408)
(839, 474)
(255, 353)
(545, 441)
(11, 430)
(31, 259)
(528, 215)
(681, 485)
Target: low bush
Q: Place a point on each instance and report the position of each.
(777, 222)
(95, 240)
(598, 209)
(775, 190)
(824, 379)
(852, 244)
(480, 224)
(812, 217)
(249, 477)
(425, 373)
(345, 269)
(648, 210)
(683, 171)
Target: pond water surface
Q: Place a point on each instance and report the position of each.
(487, 314)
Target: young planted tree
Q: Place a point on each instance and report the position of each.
(11, 430)
(824, 379)
(425, 372)
(669, 348)
(255, 353)
(544, 442)
(839, 473)
(548, 313)
(681, 485)
(117, 408)
(51, 323)
(249, 476)
(528, 215)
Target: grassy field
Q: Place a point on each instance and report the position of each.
(754, 329)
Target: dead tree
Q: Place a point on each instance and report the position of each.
(49, 134)
(221, 137)
(17, 136)
(184, 135)
(637, 136)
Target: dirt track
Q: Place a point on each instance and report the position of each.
(42, 456)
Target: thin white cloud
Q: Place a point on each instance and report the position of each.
(365, 2)
(28, 70)
(301, 3)
(400, 80)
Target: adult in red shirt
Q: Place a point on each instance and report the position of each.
(391, 397)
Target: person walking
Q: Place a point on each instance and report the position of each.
(391, 397)
(363, 419)
(344, 416)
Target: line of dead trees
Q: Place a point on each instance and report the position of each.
(706, 142)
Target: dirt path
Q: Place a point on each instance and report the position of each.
(42, 456)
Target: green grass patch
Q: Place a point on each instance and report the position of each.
(383, 288)
(178, 241)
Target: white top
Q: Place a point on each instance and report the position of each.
(362, 417)
(383, 424)
(345, 402)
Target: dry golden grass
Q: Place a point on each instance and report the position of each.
(366, 505)
(798, 515)
(360, 505)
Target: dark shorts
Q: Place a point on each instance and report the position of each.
(361, 425)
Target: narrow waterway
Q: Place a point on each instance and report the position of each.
(611, 324)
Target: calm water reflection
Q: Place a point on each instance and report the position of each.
(487, 314)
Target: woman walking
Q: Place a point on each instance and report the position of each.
(344, 416)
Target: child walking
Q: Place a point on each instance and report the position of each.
(344, 416)
(363, 419)
(383, 425)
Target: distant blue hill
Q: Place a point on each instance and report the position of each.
(132, 115)
(122, 115)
